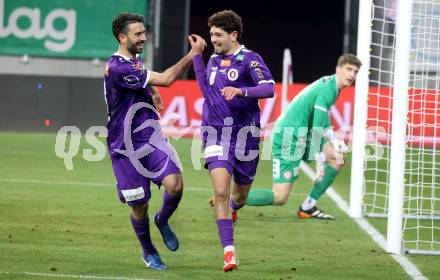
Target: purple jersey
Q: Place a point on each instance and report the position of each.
(125, 84)
(244, 68)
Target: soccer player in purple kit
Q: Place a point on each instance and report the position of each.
(139, 152)
(233, 81)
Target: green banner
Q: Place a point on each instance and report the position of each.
(62, 28)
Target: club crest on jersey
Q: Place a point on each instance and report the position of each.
(138, 66)
(225, 62)
(327, 79)
(232, 74)
(287, 175)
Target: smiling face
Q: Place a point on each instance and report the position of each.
(134, 39)
(346, 75)
(224, 43)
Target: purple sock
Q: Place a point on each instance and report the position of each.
(234, 205)
(169, 205)
(142, 231)
(225, 232)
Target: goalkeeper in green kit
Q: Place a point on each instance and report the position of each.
(303, 132)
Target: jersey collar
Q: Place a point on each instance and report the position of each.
(125, 57)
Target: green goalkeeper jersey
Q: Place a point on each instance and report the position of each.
(308, 110)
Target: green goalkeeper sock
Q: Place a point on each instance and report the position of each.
(322, 185)
(260, 197)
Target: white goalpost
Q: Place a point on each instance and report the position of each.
(396, 133)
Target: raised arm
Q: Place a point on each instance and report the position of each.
(198, 64)
(170, 75)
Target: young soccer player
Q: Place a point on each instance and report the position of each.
(139, 152)
(301, 133)
(234, 79)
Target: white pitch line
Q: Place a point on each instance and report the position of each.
(97, 184)
(410, 268)
(48, 182)
(59, 275)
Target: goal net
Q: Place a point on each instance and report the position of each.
(421, 179)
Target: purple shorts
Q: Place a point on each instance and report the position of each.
(239, 157)
(133, 180)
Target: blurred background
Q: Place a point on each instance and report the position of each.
(52, 53)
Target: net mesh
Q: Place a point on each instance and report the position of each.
(422, 174)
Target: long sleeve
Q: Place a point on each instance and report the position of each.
(320, 117)
(264, 90)
(200, 71)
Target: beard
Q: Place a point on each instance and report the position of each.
(134, 49)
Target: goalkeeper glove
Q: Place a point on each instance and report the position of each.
(339, 145)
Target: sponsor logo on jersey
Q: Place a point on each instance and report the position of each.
(240, 57)
(131, 80)
(255, 64)
(225, 62)
(232, 74)
(257, 68)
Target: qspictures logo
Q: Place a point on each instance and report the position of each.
(37, 27)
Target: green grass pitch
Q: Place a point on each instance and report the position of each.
(60, 224)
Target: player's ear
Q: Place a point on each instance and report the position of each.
(122, 38)
(234, 36)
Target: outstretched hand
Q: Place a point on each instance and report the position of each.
(197, 43)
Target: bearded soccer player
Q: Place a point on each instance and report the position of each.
(139, 152)
(303, 132)
(234, 79)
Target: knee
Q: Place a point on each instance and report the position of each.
(175, 186)
(280, 198)
(139, 211)
(221, 195)
(239, 198)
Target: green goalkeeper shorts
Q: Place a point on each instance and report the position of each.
(286, 160)
(286, 157)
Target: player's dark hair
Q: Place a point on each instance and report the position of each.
(121, 22)
(349, 58)
(227, 20)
